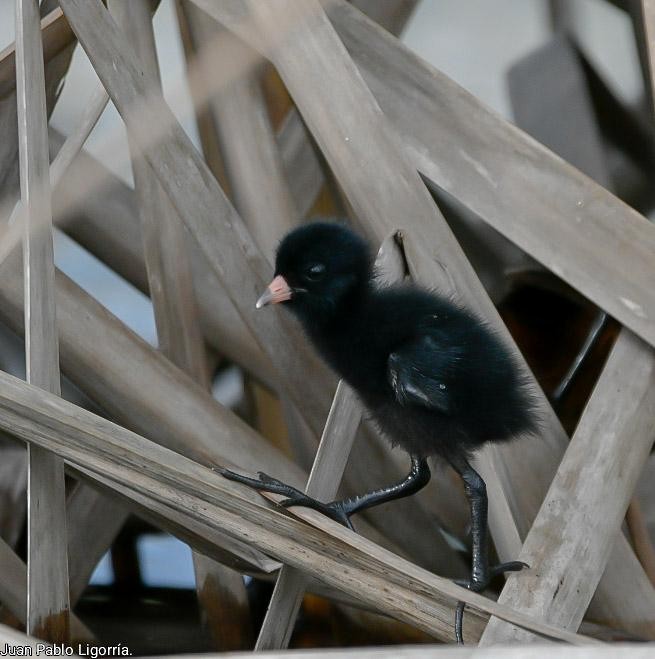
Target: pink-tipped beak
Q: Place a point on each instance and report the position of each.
(278, 291)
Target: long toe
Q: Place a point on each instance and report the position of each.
(263, 483)
(300, 499)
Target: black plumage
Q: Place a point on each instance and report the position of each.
(433, 376)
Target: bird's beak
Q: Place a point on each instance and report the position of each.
(278, 291)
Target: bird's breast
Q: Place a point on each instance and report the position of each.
(362, 364)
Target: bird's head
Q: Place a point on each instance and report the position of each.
(319, 268)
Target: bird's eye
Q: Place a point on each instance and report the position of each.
(314, 272)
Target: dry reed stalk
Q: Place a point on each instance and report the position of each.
(47, 563)
(200, 537)
(99, 517)
(574, 227)
(56, 37)
(57, 46)
(13, 592)
(107, 225)
(86, 499)
(573, 534)
(623, 593)
(330, 462)
(67, 153)
(58, 43)
(143, 390)
(59, 166)
(140, 387)
(253, 163)
(253, 166)
(221, 591)
(169, 275)
(338, 557)
(327, 471)
(405, 525)
(194, 31)
(191, 187)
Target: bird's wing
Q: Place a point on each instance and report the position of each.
(415, 371)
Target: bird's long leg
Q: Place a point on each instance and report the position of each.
(341, 510)
(418, 478)
(481, 572)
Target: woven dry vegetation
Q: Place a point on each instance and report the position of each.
(304, 108)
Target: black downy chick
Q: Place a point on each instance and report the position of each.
(435, 378)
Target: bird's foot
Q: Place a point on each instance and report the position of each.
(334, 510)
(477, 585)
(294, 497)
